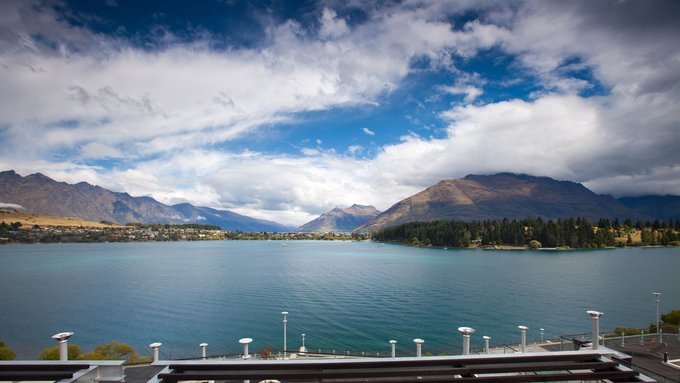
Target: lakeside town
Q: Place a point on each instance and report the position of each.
(15, 233)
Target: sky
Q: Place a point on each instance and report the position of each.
(283, 110)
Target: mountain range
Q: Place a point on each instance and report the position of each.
(518, 196)
(474, 197)
(42, 195)
(340, 220)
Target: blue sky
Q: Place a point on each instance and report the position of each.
(284, 110)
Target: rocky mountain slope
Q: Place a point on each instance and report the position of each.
(340, 220)
(503, 195)
(40, 194)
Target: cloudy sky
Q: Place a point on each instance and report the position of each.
(284, 110)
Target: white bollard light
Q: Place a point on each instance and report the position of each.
(623, 340)
(245, 342)
(154, 352)
(393, 345)
(466, 331)
(419, 347)
(523, 338)
(486, 343)
(62, 337)
(596, 327)
(203, 347)
(303, 349)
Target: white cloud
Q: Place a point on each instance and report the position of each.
(354, 149)
(4, 205)
(657, 181)
(310, 151)
(99, 150)
(167, 111)
(470, 92)
(98, 91)
(331, 25)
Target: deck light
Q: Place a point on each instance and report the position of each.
(486, 343)
(466, 331)
(203, 347)
(596, 327)
(285, 320)
(245, 342)
(419, 347)
(393, 345)
(303, 349)
(154, 348)
(658, 318)
(523, 338)
(62, 337)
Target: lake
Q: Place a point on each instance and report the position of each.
(343, 295)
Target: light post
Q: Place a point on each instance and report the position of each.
(285, 320)
(393, 344)
(596, 327)
(658, 318)
(62, 337)
(542, 333)
(466, 332)
(203, 347)
(303, 349)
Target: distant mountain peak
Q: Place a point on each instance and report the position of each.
(39, 176)
(340, 220)
(498, 196)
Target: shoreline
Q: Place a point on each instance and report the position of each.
(523, 248)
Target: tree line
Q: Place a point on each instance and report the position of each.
(534, 232)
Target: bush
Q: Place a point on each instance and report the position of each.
(534, 244)
(671, 317)
(6, 353)
(112, 351)
(626, 331)
(52, 353)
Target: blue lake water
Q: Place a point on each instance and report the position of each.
(343, 295)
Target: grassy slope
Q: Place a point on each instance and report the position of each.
(28, 219)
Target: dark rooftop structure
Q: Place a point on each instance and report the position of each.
(520, 367)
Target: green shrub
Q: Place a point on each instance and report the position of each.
(52, 353)
(6, 353)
